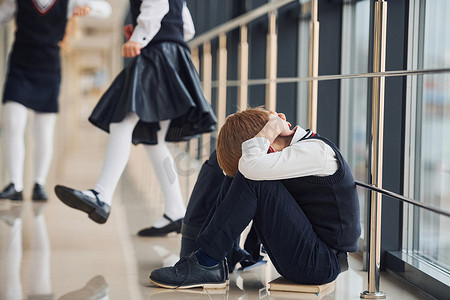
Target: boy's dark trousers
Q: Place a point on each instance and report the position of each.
(202, 201)
(286, 233)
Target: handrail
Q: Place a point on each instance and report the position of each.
(396, 73)
(237, 22)
(404, 199)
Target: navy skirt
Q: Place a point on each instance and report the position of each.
(35, 89)
(160, 84)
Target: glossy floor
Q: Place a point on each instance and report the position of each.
(49, 251)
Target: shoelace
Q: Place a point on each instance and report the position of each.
(182, 260)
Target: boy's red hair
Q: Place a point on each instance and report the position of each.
(238, 128)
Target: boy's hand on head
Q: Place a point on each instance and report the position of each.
(131, 49)
(277, 125)
(81, 11)
(128, 31)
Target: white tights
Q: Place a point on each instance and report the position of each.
(116, 158)
(43, 129)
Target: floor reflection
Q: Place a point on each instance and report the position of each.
(39, 283)
(95, 289)
(10, 283)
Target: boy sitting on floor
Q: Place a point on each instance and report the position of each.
(297, 189)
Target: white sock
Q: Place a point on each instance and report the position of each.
(116, 156)
(43, 129)
(165, 169)
(15, 123)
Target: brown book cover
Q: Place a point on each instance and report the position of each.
(283, 284)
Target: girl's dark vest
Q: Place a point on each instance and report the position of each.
(330, 203)
(171, 25)
(38, 35)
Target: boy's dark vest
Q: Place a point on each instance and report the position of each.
(39, 30)
(171, 25)
(330, 203)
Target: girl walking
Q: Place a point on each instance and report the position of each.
(157, 98)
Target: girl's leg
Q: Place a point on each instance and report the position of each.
(15, 123)
(43, 129)
(116, 157)
(165, 169)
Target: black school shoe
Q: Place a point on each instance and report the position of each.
(97, 210)
(10, 193)
(39, 193)
(188, 273)
(173, 226)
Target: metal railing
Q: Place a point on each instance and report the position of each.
(271, 80)
(404, 199)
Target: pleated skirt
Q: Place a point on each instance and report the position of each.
(159, 84)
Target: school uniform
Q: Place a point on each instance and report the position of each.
(34, 69)
(161, 83)
(33, 82)
(307, 223)
(211, 180)
(34, 74)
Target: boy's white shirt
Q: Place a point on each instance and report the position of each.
(149, 21)
(301, 158)
(99, 8)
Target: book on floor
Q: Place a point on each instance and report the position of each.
(286, 285)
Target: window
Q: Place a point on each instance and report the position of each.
(353, 118)
(428, 164)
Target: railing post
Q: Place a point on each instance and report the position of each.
(207, 82)
(222, 80)
(194, 143)
(313, 68)
(379, 60)
(271, 64)
(243, 70)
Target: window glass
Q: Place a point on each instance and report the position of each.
(431, 240)
(353, 127)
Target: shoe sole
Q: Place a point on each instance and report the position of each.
(67, 197)
(221, 285)
(13, 198)
(34, 198)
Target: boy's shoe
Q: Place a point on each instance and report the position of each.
(39, 193)
(188, 273)
(97, 210)
(10, 193)
(173, 226)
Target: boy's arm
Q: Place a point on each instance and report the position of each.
(7, 11)
(301, 159)
(93, 8)
(188, 24)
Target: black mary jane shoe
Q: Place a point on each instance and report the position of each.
(97, 210)
(173, 226)
(10, 193)
(39, 193)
